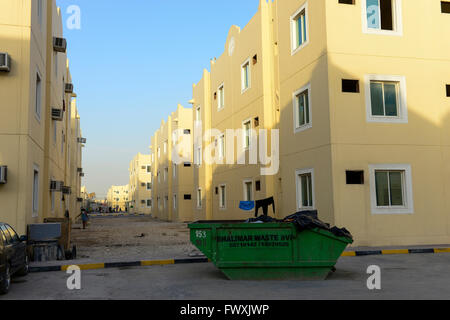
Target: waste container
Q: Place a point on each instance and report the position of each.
(268, 251)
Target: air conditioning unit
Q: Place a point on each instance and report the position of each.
(57, 114)
(56, 186)
(66, 190)
(82, 174)
(5, 63)
(81, 140)
(69, 88)
(59, 44)
(3, 174)
(79, 170)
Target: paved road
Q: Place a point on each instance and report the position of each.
(403, 277)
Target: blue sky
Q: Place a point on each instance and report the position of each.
(132, 62)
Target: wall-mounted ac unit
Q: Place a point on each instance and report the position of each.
(59, 44)
(56, 186)
(3, 174)
(81, 140)
(5, 62)
(66, 190)
(57, 114)
(68, 88)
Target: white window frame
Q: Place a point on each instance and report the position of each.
(198, 113)
(402, 99)
(298, 185)
(222, 206)
(35, 192)
(38, 97)
(306, 126)
(174, 170)
(151, 203)
(221, 146)
(221, 96)
(146, 186)
(408, 208)
(244, 134)
(396, 17)
(294, 29)
(244, 185)
(199, 199)
(243, 87)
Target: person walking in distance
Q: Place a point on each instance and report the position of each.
(84, 218)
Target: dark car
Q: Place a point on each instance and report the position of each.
(13, 256)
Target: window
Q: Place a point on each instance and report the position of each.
(174, 170)
(302, 109)
(382, 16)
(39, 11)
(159, 152)
(247, 127)
(159, 177)
(149, 169)
(14, 236)
(35, 194)
(299, 29)
(248, 190)
(187, 131)
(166, 173)
(347, 1)
(305, 189)
(199, 198)
(351, 86)
(391, 189)
(445, 6)
(198, 114)
(222, 197)
(149, 203)
(187, 197)
(245, 76)
(198, 156)
(386, 99)
(149, 186)
(221, 97)
(38, 101)
(165, 147)
(166, 199)
(221, 142)
(175, 202)
(448, 90)
(55, 130)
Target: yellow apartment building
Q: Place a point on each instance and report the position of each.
(172, 180)
(360, 93)
(118, 198)
(37, 126)
(140, 199)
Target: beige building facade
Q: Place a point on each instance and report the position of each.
(172, 178)
(39, 121)
(359, 94)
(118, 198)
(140, 200)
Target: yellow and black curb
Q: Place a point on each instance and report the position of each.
(95, 266)
(394, 252)
(148, 263)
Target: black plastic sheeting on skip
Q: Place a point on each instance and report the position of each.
(305, 220)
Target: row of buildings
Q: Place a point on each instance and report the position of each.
(350, 102)
(40, 134)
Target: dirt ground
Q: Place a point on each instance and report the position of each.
(132, 238)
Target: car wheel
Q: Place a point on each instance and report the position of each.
(26, 267)
(6, 282)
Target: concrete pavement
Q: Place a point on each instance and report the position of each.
(420, 276)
